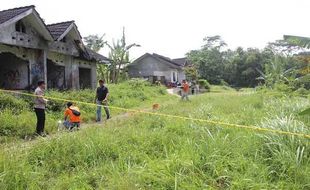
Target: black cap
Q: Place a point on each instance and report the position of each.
(69, 104)
(40, 82)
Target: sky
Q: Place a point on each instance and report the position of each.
(174, 27)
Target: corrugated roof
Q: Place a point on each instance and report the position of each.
(6, 15)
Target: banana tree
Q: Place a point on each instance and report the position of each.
(119, 54)
(275, 72)
(303, 42)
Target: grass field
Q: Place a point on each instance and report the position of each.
(142, 151)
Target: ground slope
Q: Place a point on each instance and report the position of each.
(153, 152)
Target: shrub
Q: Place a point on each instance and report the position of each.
(204, 84)
(18, 119)
(8, 101)
(282, 87)
(223, 83)
(302, 91)
(136, 83)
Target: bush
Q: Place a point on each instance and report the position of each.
(223, 83)
(135, 82)
(302, 91)
(8, 101)
(282, 87)
(18, 119)
(204, 84)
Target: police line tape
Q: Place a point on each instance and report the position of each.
(250, 127)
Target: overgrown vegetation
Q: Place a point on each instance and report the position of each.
(153, 152)
(18, 119)
(279, 62)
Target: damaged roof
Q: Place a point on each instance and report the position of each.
(97, 57)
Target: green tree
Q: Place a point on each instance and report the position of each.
(96, 43)
(191, 73)
(119, 54)
(209, 59)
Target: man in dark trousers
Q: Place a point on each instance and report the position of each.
(39, 107)
(102, 94)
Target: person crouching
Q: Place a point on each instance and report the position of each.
(74, 114)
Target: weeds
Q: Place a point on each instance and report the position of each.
(152, 152)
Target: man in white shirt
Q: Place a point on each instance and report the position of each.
(39, 107)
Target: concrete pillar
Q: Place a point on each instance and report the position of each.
(45, 66)
(75, 75)
(68, 72)
(94, 75)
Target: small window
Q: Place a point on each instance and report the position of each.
(20, 27)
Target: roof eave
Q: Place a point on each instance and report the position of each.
(46, 34)
(72, 26)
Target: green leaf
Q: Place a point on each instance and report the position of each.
(305, 112)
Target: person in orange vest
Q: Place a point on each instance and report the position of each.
(74, 114)
(185, 90)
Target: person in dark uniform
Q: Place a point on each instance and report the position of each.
(102, 94)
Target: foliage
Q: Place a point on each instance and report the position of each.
(251, 67)
(119, 54)
(238, 68)
(152, 152)
(303, 42)
(305, 112)
(223, 83)
(18, 119)
(94, 42)
(191, 73)
(204, 84)
(209, 59)
(302, 91)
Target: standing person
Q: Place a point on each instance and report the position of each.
(185, 90)
(39, 107)
(102, 94)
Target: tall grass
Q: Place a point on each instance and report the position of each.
(152, 152)
(18, 119)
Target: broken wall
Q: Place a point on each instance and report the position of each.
(14, 73)
(34, 58)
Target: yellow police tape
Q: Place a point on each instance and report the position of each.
(251, 127)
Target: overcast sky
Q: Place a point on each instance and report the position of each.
(173, 27)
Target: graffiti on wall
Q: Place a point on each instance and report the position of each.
(13, 72)
(55, 75)
(37, 69)
(13, 79)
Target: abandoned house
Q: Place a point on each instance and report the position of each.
(30, 51)
(156, 67)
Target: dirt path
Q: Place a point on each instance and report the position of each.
(170, 91)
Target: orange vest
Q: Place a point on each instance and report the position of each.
(73, 118)
(185, 87)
